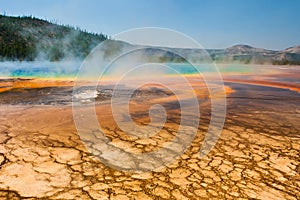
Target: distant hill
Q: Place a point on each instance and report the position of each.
(29, 38)
(248, 54)
(239, 53)
(295, 49)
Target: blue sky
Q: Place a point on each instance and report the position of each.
(271, 24)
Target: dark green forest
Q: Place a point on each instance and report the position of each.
(28, 38)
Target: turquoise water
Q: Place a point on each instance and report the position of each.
(70, 69)
(208, 68)
(39, 69)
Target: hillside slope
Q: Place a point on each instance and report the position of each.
(28, 38)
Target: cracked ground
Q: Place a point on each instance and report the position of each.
(256, 156)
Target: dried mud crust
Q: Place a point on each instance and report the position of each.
(256, 157)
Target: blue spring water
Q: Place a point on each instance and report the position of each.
(70, 69)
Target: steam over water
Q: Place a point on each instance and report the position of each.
(39, 69)
(70, 68)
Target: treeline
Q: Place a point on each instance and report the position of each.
(285, 62)
(248, 59)
(29, 38)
